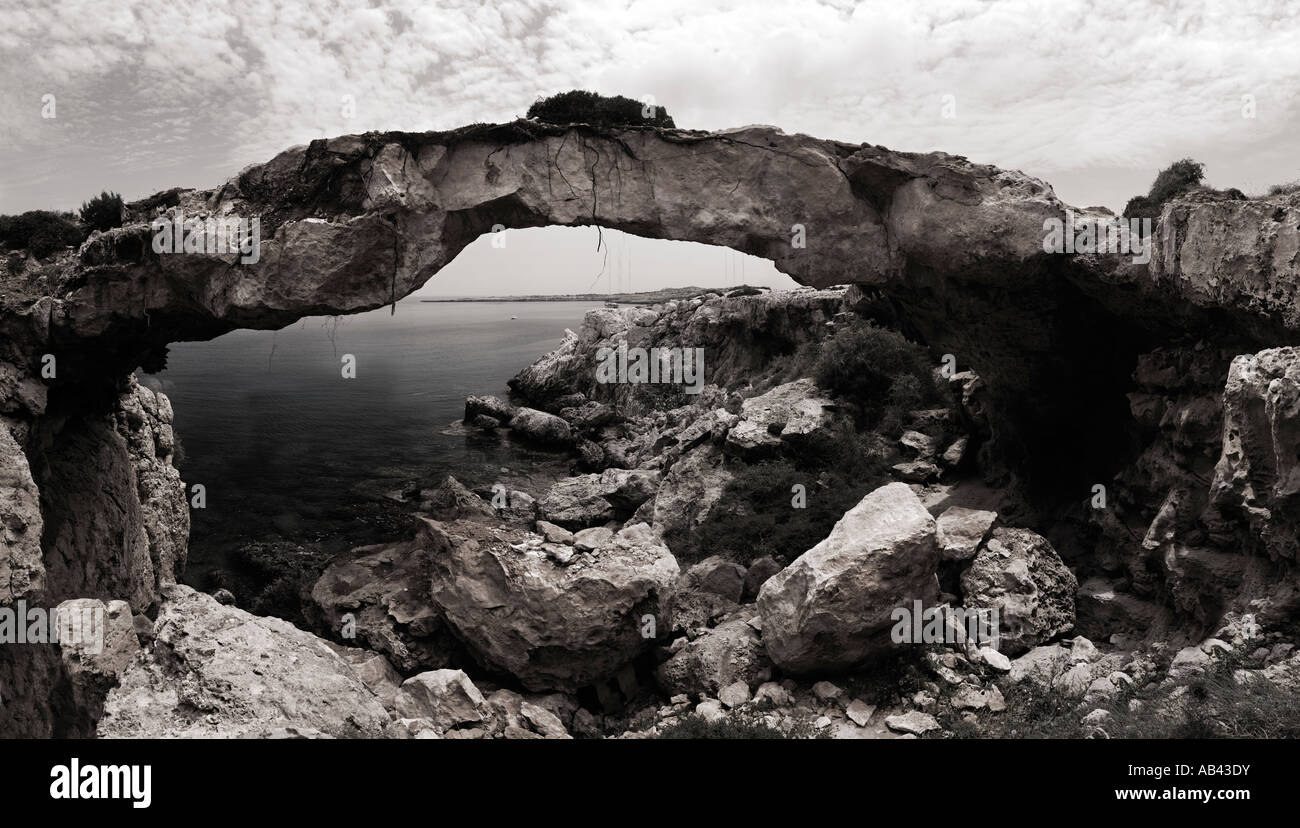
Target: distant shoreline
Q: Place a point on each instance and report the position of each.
(648, 298)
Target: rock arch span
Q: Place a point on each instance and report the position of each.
(356, 222)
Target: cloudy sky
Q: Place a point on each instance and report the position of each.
(1092, 97)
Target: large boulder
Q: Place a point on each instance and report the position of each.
(1019, 573)
(551, 625)
(217, 671)
(493, 407)
(788, 414)
(593, 499)
(540, 427)
(831, 609)
(730, 652)
(378, 597)
(447, 698)
(450, 499)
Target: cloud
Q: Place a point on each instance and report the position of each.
(154, 94)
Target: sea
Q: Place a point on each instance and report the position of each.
(318, 434)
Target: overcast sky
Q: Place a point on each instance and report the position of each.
(1092, 97)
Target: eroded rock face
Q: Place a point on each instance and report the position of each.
(217, 671)
(831, 608)
(21, 571)
(553, 626)
(1258, 474)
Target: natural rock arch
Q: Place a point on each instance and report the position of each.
(356, 222)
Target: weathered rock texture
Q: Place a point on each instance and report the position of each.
(831, 609)
(217, 671)
(355, 222)
(552, 625)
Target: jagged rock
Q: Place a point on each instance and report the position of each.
(693, 612)
(499, 410)
(689, 492)
(551, 626)
(832, 607)
(378, 597)
(553, 533)
(734, 694)
(1258, 473)
(591, 457)
(717, 575)
(589, 540)
(540, 427)
(923, 447)
(769, 692)
(1020, 574)
(484, 423)
(914, 722)
(445, 697)
(21, 570)
(592, 499)
(728, 653)
(219, 671)
(97, 642)
(859, 712)
(915, 471)
(994, 659)
(375, 672)
(1041, 666)
(960, 531)
(450, 500)
(955, 453)
(788, 414)
(590, 415)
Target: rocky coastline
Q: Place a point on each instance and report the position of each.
(1102, 452)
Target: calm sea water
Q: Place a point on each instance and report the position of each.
(288, 449)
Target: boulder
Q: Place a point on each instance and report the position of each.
(551, 626)
(961, 531)
(378, 597)
(789, 414)
(497, 409)
(1019, 573)
(450, 500)
(831, 608)
(593, 499)
(540, 427)
(217, 671)
(717, 575)
(447, 698)
(730, 652)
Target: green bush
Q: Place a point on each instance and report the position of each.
(41, 232)
(103, 212)
(879, 371)
(755, 516)
(581, 107)
(1179, 177)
